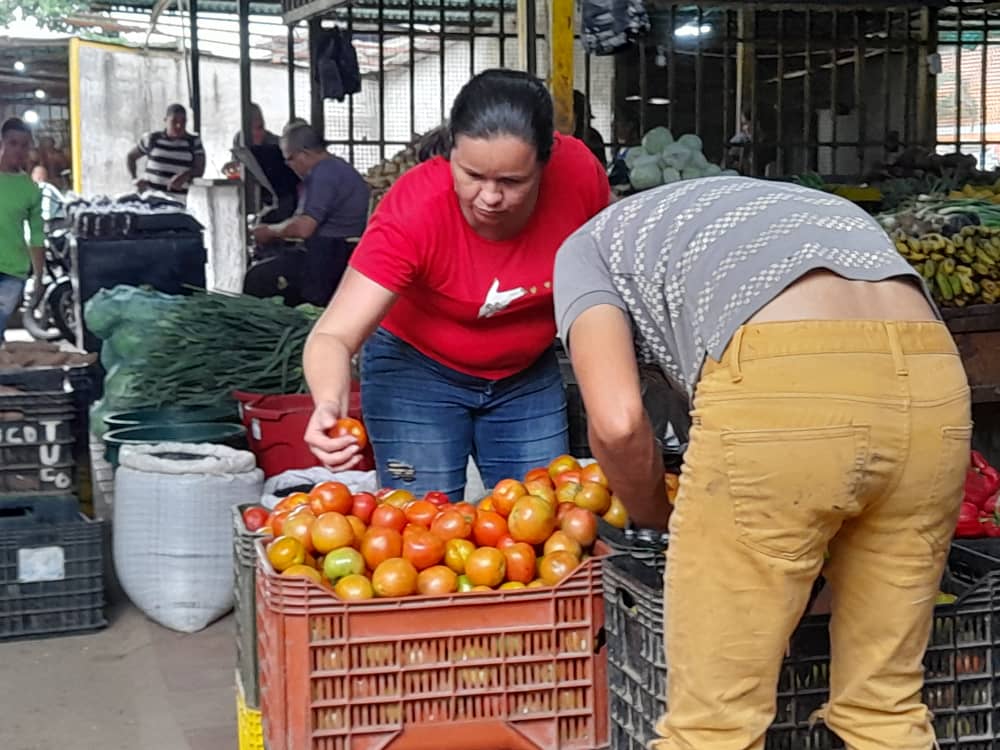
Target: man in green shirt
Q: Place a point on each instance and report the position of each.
(20, 206)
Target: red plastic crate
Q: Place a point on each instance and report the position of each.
(276, 425)
(523, 669)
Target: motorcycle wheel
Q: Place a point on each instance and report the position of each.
(62, 307)
(38, 322)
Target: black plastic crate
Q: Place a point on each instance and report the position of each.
(961, 663)
(67, 594)
(245, 606)
(34, 509)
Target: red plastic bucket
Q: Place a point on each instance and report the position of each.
(276, 425)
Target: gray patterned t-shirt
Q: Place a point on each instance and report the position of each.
(693, 261)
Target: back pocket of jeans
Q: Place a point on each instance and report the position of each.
(787, 485)
(938, 508)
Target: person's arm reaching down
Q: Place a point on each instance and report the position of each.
(299, 227)
(621, 437)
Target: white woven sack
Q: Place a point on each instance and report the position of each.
(173, 528)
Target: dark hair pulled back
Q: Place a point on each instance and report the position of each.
(505, 102)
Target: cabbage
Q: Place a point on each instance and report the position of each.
(633, 155)
(645, 176)
(656, 140)
(692, 142)
(691, 173)
(698, 161)
(730, 173)
(712, 170)
(676, 155)
(671, 175)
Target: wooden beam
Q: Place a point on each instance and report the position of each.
(561, 16)
(927, 83)
(746, 72)
(527, 36)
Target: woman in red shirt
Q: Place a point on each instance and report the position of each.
(451, 286)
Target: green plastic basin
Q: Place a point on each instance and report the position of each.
(233, 435)
(170, 415)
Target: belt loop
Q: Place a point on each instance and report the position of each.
(898, 358)
(734, 356)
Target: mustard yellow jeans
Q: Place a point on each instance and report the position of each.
(847, 436)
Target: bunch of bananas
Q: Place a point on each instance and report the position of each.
(960, 270)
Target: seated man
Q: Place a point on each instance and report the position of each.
(331, 216)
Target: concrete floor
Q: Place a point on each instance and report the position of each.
(133, 685)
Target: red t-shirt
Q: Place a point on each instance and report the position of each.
(477, 306)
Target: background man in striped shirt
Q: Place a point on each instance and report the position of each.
(173, 156)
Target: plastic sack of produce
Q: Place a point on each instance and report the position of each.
(290, 481)
(173, 528)
(109, 307)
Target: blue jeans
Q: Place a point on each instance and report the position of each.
(425, 420)
(10, 296)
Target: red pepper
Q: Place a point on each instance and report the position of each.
(978, 488)
(969, 526)
(979, 461)
(990, 507)
(992, 530)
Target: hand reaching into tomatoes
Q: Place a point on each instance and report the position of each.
(337, 442)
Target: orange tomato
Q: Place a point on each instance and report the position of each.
(486, 566)
(456, 552)
(560, 540)
(488, 527)
(594, 497)
(327, 497)
(353, 588)
(379, 545)
(505, 494)
(423, 549)
(541, 489)
(520, 559)
(348, 426)
(466, 509)
(394, 577)
(421, 513)
(277, 521)
(557, 566)
(593, 473)
(486, 504)
(567, 477)
(504, 542)
(450, 524)
(436, 581)
(616, 514)
(303, 571)
(359, 529)
(566, 492)
(388, 517)
(536, 584)
(539, 473)
(560, 464)
(292, 501)
(398, 498)
(512, 585)
(284, 552)
(580, 525)
(531, 520)
(299, 525)
(332, 531)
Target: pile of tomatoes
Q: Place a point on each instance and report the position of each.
(524, 534)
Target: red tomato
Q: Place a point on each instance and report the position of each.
(348, 426)
(423, 549)
(379, 545)
(505, 541)
(276, 521)
(450, 524)
(439, 499)
(421, 513)
(572, 476)
(580, 525)
(255, 517)
(330, 497)
(363, 505)
(383, 493)
(389, 517)
(541, 473)
(520, 559)
(293, 501)
(488, 528)
(505, 494)
(466, 509)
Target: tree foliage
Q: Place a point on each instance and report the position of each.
(50, 14)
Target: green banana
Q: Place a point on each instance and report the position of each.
(944, 286)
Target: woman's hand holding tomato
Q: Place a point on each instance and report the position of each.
(337, 453)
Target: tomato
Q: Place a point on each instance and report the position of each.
(505, 494)
(581, 525)
(504, 542)
(436, 581)
(593, 473)
(398, 498)
(560, 540)
(555, 567)
(440, 499)
(277, 521)
(486, 566)
(512, 585)
(560, 464)
(255, 517)
(298, 525)
(466, 509)
(573, 475)
(421, 513)
(456, 552)
(594, 497)
(539, 473)
(284, 552)
(353, 588)
(566, 492)
(348, 426)
(331, 531)
(531, 520)
(482, 588)
(394, 577)
(362, 506)
(383, 493)
(303, 571)
(423, 549)
(450, 524)
(562, 509)
(464, 584)
(292, 501)
(342, 562)
(486, 504)
(359, 530)
(327, 497)
(616, 514)
(520, 559)
(379, 545)
(488, 527)
(388, 517)
(536, 584)
(541, 489)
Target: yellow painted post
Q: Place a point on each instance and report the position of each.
(75, 128)
(561, 15)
